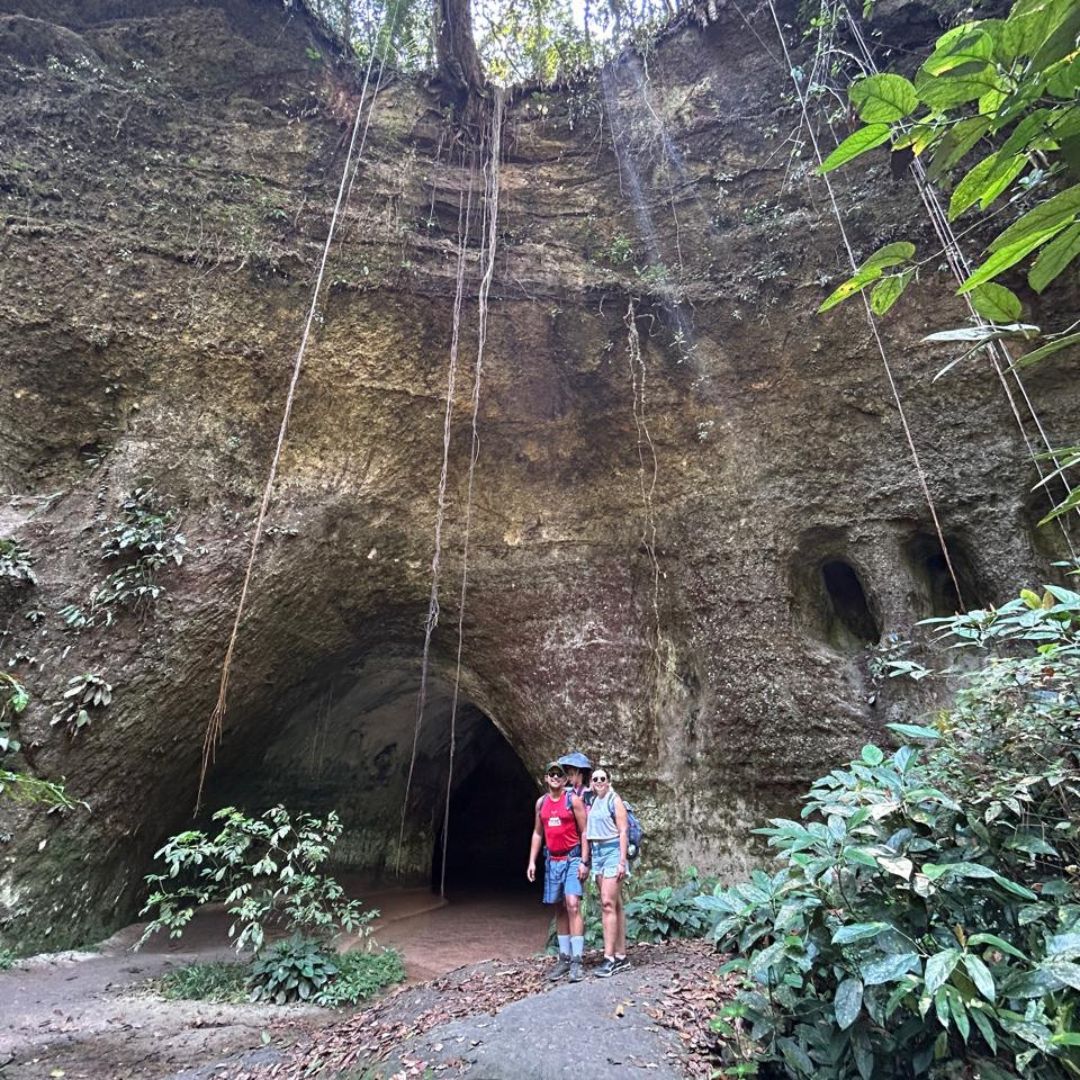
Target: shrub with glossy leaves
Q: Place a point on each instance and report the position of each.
(925, 919)
(295, 969)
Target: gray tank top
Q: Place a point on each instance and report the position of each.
(601, 825)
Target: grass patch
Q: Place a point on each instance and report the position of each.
(220, 982)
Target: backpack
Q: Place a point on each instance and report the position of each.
(635, 834)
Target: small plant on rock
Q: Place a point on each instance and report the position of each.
(84, 694)
(215, 982)
(16, 563)
(144, 540)
(362, 974)
(13, 701)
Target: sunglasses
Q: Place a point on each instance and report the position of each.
(555, 772)
(600, 779)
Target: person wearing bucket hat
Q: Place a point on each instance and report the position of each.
(559, 825)
(578, 768)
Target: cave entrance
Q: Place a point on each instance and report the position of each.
(935, 592)
(344, 743)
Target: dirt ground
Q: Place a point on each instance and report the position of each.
(94, 1014)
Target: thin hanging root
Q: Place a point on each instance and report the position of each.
(216, 723)
(464, 215)
(492, 232)
(647, 473)
(923, 482)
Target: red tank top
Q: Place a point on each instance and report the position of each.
(560, 826)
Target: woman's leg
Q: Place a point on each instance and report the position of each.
(620, 922)
(609, 903)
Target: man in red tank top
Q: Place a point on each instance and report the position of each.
(560, 825)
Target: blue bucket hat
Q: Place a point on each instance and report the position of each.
(575, 761)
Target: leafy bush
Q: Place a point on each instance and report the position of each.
(362, 974)
(295, 969)
(660, 912)
(216, 982)
(927, 908)
(16, 563)
(33, 791)
(265, 870)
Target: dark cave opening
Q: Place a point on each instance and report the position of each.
(347, 745)
(850, 609)
(936, 594)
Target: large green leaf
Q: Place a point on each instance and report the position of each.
(945, 91)
(1003, 175)
(1005, 257)
(980, 976)
(890, 255)
(974, 183)
(1043, 351)
(859, 142)
(956, 143)
(964, 45)
(995, 942)
(845, 935)
(886, 292)
(883, 98)
(996, 303)
(1055, 257)
(939, 967)
(850, 287)
(1053, 211)
(889, 968)
(848, 1002)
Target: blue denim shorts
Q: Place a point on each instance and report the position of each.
(561, 877)
(604, 855)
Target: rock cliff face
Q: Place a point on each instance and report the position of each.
(168, 169)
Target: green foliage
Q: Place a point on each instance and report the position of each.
(13, 701)
(296, 969)
(619, 251)
(84, 694)
(16, 563)
(32, 791)
(926, 910)
(1012, 87)
(360, 975)
(144, 540)
(265, 870)
(7, 959)
(661, 912)
(215, 982)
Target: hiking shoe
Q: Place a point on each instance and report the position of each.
(576, 974)
(606, 969)
(622, 963)
(562, 966)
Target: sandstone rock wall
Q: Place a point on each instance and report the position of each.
(167, 174)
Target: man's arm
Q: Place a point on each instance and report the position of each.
(581, 816)
(537, 840)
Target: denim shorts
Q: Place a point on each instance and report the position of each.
(604, 855)
(561, 877)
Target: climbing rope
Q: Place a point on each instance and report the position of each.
(217, 718)
(464, 214)
(492, 232)
(961, 269)
(923, 483)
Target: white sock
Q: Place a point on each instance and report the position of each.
(564, 944)
(577, 946)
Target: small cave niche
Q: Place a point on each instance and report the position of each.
(849, 618)
(935, 594)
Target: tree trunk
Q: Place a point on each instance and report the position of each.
(458, 61)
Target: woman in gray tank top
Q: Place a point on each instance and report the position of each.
(607, 831)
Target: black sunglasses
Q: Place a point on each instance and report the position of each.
(555, 772)
(600, 779)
